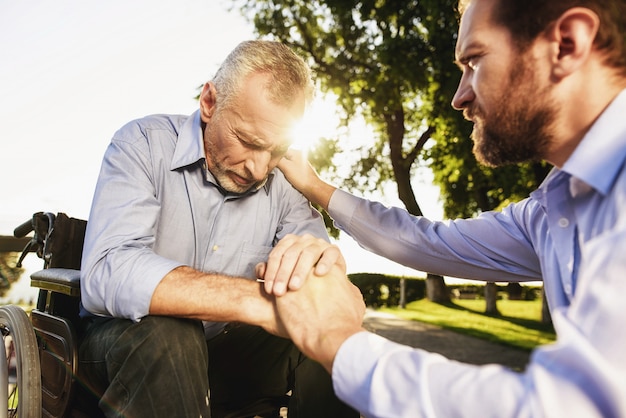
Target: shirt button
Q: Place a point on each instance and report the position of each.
(215, 248)
(563, 222)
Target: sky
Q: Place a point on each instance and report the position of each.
(72, 72)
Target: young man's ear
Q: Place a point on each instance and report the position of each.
(207, 101)
(573, 35)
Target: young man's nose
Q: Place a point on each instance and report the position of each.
(464, 94)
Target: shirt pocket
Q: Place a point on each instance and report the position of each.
(251, 255)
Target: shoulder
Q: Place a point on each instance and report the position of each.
(144, 128)
(278, 182)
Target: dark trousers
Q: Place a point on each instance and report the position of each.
(158, 368)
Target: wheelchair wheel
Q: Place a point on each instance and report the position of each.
(20, 364)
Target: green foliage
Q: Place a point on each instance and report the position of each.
(382, 290)
(392, 61)
(8, 272)
(511, 291)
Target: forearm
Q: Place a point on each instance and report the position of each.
(185, 292)
(319, 192)
(325, 350)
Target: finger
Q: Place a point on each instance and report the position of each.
(274, 261)
(286, 271)
(290, 154)
(297, 262)
(302, 268)
(330, 257)
(314, 250)
(259, 270)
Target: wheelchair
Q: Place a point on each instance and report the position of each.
(39, 368)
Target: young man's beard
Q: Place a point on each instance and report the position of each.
(520, 128)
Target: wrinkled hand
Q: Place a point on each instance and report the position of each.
(292, 259)
(322, 314)
(297, 169)
(303, 177)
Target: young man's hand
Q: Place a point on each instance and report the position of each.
(322, 314)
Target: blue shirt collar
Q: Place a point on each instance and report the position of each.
(190, 149)
(600, 155)
(190, 146)
(598, 159)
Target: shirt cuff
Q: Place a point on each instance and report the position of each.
(341, 207)
(354, 365)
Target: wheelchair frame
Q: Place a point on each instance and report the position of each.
(39, 362)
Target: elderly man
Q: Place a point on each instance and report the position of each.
(184, 208)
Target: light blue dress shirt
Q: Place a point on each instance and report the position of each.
(570, 233)
(156, 207)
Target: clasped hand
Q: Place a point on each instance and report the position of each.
(316, 306)
(292, 259)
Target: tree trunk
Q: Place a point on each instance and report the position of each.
(402, 293)
(491, 297)
(436, 290)
(546, 318)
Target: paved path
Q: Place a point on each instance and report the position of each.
(448, 343)
(451, 344)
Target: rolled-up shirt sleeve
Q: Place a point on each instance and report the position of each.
(121, 233)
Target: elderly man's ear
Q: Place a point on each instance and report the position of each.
(208, 98)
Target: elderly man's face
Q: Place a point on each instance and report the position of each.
(245, 141)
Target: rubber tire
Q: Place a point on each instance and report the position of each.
(14, 323)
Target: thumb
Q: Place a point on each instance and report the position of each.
(259, 270)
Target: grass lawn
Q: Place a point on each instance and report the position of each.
(519, 324)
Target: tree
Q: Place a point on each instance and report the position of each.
(9, 274)
(491, 296)
(392, 62)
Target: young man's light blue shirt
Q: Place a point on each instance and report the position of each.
(570, 233)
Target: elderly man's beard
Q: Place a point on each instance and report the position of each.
(520, 127)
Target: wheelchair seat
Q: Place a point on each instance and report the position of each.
(55, 321)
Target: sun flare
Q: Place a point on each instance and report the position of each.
(319, 121)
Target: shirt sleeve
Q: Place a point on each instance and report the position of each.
(299, 217)
(494, 246)
(120, 234)
(582, 374)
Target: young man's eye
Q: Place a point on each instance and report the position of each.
(472, 63)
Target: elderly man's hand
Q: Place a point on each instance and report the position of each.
(292, 259)
(322, 314)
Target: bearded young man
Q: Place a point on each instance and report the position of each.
(542, 80)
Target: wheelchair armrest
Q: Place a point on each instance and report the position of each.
(66, 281)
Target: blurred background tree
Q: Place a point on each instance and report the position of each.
(391, 62)
(8, 272)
